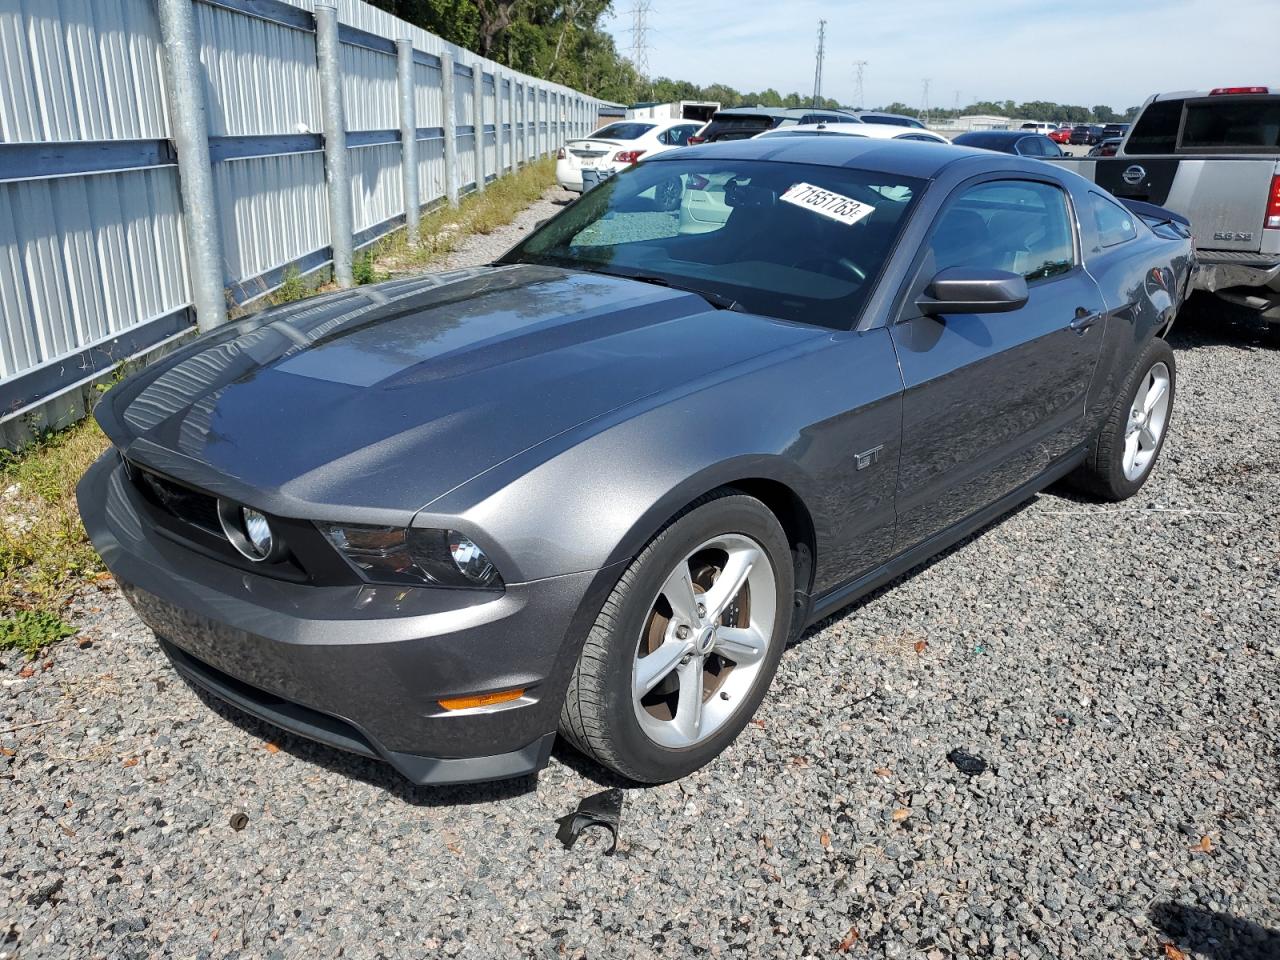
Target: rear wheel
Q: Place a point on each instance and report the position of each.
(1130, 440)
(685, 648)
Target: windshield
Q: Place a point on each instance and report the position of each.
(794, 241)
(1221, 124)
(736, 126)
(1232, 124)
(622, 131)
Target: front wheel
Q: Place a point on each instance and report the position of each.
(685, 648)
(1130, 440)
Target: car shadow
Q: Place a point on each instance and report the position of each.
(1207, 321)
(373, 772)
(1218, 936)
(921, 567)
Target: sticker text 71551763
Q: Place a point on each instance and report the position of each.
(825, 203)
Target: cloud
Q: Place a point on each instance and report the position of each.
(1086, 52)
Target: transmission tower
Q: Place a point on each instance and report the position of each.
(817, 70)
(957, 107)
(924, 108)
(640, 37)
(859, 99)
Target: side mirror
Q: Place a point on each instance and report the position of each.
(965, 290)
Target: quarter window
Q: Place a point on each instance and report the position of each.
(1020, 226)
(1114, 222)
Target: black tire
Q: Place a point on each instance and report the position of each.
(1102, 474)
(598, 716)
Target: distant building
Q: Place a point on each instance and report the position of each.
(610, 111)
(977, 121)
(699, 110)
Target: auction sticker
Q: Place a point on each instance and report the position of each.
(828, 204)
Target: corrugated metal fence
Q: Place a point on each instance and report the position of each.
(94, 264)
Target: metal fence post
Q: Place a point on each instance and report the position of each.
(511, 115)
(477, 118)
(195, 170)
(518, 118)
(450, 121)
(408, 139)
(337, 165)
(497, 123)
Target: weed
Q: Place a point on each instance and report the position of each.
(32, 630)
(292, 287)
(363, 271)
(44, 553)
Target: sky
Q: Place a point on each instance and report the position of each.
(1088, 52)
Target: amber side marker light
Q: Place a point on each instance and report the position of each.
(481, 700)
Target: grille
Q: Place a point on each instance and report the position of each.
(190, 506)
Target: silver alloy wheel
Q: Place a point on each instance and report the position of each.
(705, 641)
(1147, 420)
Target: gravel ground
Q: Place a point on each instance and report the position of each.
(1116, 667)
(480, 249)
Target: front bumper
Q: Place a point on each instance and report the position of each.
(359, 667)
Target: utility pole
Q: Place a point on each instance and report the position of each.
(640, 39)
(817, 71)
(860, 100)
(957, 107)
(924, 109)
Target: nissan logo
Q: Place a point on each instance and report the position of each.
(1134, 175)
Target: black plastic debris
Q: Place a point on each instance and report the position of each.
(600, 810)
(239, 820)
(967, 763)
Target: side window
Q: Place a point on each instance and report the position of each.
(1114, 222)
(665, 137)
(1020, 226)
(679, 136)
(1030, 147)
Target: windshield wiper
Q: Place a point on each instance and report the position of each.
(717, 300)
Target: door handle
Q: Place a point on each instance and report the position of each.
(1083, 320)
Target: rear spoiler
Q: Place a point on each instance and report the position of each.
(1153, 214)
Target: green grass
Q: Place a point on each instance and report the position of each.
(45, 556)
(292, 287)
(444, 229)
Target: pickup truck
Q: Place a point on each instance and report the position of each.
(1214, 157)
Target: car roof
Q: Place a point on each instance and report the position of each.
(876, 131)
(1274, 89)
(989, 137)
(781, 111)
(882, 113)
(904, 157)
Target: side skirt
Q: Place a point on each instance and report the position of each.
(855, 590)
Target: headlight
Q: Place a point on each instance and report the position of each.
(394, 555)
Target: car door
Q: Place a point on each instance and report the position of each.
(993, 400)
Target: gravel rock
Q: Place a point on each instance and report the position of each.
(1116, 666)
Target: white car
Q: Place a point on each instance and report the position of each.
(1037, 127)
(703, 208)
(618, 145)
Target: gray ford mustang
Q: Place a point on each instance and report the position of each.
(597, 487)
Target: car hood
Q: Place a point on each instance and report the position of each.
(385, 398)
